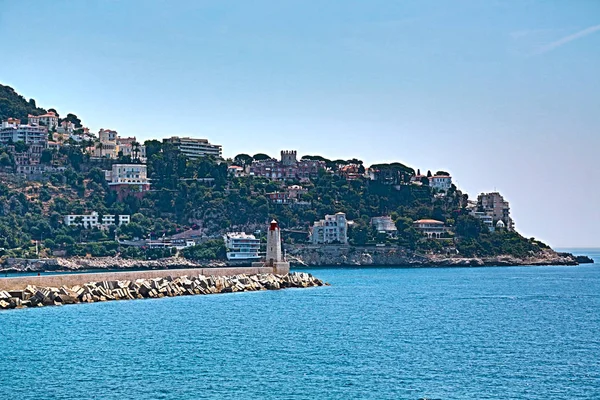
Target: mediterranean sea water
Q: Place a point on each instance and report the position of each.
(375, 333)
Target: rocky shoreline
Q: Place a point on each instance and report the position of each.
(306, 256)
(392, 256)
(33, 296)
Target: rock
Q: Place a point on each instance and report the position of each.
(152, 288)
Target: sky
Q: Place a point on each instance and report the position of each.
(504, 95)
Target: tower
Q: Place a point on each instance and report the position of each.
(274, 257)
(273, 244)
(289, 157)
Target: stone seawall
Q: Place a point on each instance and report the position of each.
(123, 288)
(58, 280)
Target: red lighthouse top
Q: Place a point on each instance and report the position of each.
(273, 226)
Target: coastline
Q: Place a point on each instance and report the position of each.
(346, 256)
(299, 256)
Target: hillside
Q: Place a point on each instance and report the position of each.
(14, 105)
(201, 194)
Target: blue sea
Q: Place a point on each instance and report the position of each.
(375, 333)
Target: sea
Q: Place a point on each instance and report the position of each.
(375, 333)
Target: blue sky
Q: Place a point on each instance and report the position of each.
(502, 94)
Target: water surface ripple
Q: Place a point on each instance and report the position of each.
(381, 333)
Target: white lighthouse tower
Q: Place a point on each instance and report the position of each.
(273, 244)
(274, 257)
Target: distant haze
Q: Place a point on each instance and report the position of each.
(503, 95)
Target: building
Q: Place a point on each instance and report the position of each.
(236, 171)
(487, 219)
(279, 197)
(66, 128)
(106, 146)
(385, 225)
(440, 182)
(494, 204)
(107, 135)
(430, 227)
(49, 120)
(13, 131)
(274, 257)
(194, 148)
(128, 179)
(129, 146)
(351, 171)
(130, 174)
(94, 220)
(332, 229)
(241, 246)
(296, 192)
(288, 168)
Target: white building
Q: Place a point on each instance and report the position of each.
(13, 131)
(385, 225)
(241, 246)
(432, 228)
(194, 148)
(128, 174)
(50, 120)
(95, 220)
(440, 182)
(332, 229)
(486, 218)
(66, 128)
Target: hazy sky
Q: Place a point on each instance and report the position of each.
(503, 94)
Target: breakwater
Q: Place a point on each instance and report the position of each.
(157, 287)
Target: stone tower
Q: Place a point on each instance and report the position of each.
(273, 244)
(274, 256)
(288, 157)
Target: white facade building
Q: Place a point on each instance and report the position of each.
(13, 131)
(128, 174)
(95, 220)
(332, 229)
(50, 120)
(487, 219)
(385, 225)
(432, 228)
(241, 246)
(194, 148)
(440, 182)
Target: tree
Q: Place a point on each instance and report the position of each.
(442, 173)
(21, 147)
(242, 160)
(73, 119)
(5, 160)
(135, 148)
(152, 147)
(429, 174)
(46, 157)
(261, 157)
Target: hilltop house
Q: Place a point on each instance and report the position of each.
(332, 229)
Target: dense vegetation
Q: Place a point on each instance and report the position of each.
(199, 194)
(14, 105)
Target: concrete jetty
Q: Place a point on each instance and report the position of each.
(122, 288)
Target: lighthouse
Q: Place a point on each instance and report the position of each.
(274, 256)
(273, 244)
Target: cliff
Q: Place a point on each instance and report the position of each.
(381, 256)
